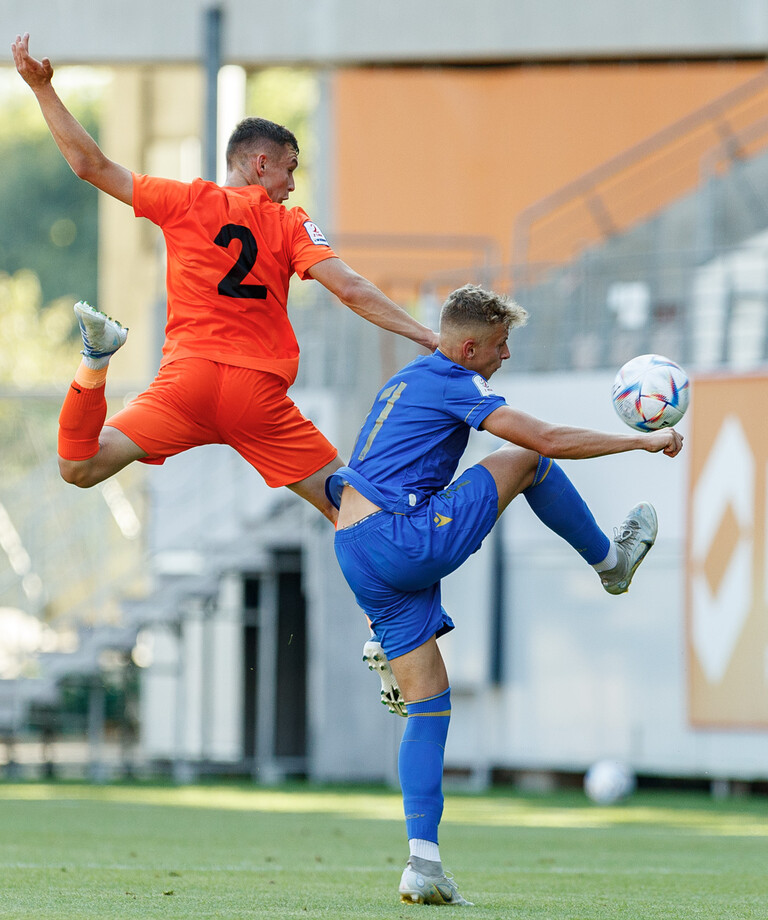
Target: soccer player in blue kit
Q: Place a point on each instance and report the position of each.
(402, 527)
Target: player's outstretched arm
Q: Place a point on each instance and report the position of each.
(78, 148)
(561, 442)
(365, 299)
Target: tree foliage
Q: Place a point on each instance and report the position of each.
(49, 223)
(37, 347)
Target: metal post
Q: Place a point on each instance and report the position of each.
(498, 589)
(97, 699)
(266, 691)
(212, 64)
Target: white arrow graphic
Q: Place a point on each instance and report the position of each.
(728, 479)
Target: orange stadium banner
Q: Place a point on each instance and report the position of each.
(727, 602)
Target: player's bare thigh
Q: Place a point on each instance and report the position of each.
(421, 673)
(116, 451)
(513, 469)
(312, 489)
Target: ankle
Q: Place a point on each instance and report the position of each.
(90, 377)
(426, 866)
(610, 561)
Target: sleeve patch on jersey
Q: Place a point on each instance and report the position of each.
(315, 233)
(483, 386)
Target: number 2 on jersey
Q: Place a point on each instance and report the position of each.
(391, 394)
(231, 285)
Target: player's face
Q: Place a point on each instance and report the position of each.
(277, 177)
(490, 351)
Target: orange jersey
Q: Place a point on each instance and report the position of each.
(230, 256)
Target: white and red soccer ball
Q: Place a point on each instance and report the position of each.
(651, 392)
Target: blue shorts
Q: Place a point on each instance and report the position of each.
(394, 562)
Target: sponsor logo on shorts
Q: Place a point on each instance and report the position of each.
(441, 520)
(315, 233)
(455, 486)
(483, 386)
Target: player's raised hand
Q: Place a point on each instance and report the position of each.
(666, 439)
(35, 73)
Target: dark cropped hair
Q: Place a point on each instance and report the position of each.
(253, 131)
(473, 306)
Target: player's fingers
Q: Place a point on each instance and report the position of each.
(675, 446)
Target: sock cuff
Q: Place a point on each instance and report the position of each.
(426, 850)
(87, 397)
(439, 705)
(542, 469)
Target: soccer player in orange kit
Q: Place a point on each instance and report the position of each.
(230, 352)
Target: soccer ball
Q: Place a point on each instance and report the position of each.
(651, 392)
(608, 781)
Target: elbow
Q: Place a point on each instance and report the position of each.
(82, 168)
(352, 290)
(552, 448)
(87, 168)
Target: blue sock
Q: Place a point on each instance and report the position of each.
(420, 764)
(555, 501)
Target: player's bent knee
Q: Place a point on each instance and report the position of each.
(513, 469)
(77, 473)
(511, 456)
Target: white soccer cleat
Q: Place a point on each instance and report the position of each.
(376, 659)
(416, 888)
(633, 539)
(102, 335)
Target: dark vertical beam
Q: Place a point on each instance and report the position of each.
(212, 64)
(498, 590)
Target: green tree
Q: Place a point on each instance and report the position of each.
(49, 217)
(36, 346)
(289, 96)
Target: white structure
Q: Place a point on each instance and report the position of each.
(359, 31)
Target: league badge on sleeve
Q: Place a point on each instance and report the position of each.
(315, 233)
(483, 386)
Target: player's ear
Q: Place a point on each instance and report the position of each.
(468, 348)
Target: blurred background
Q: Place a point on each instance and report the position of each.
(605, 164)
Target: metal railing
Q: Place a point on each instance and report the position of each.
(640, 181)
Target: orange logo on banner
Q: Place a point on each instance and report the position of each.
(726, 565)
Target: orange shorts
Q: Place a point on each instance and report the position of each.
(194, 401)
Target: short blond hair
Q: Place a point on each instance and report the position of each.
(473, 306)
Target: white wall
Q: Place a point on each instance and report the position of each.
(343, 31)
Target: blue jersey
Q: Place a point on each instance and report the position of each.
(413, 438)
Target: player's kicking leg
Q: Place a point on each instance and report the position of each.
(88, 452)
(555, 501)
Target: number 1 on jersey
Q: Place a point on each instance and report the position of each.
(391, 394)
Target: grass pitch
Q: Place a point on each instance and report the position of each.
(71, 852)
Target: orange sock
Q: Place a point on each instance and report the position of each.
(81, 420)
